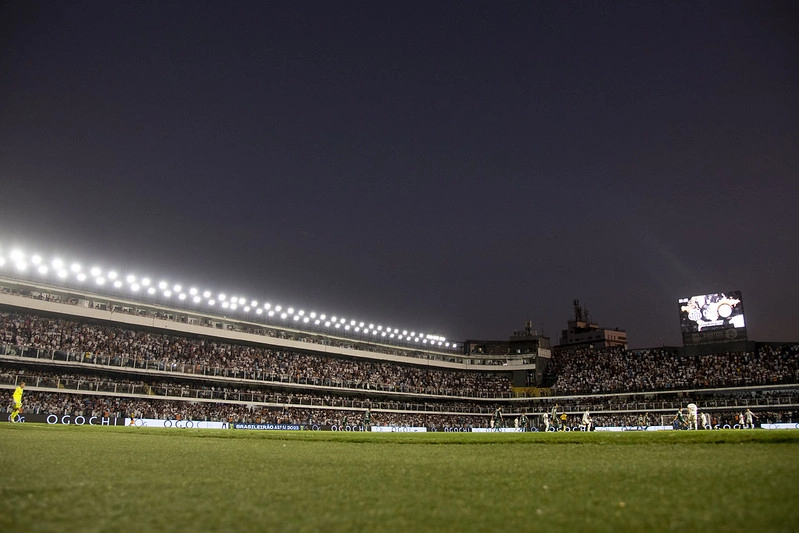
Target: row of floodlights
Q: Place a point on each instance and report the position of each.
(23, 264)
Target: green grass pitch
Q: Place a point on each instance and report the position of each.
(69, 478)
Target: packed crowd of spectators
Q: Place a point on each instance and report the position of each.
(594, 371)
(105, 344)
(190, 381)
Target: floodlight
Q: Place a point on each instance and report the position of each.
(246, 308)
(234, 306)
(259, 311)
(290, 310)
(182, 296)
(221, 297)
(206, 294)
(196, 299)
(75, 268)
(100, 281)
(17, 255)
(301, 312)
(211, 302)
(117, 283)
(283, 316)
(130, 279)
(225, 305)
(95, 271)
(57, 263)
(145, 282)
(271, 313)
(177, 288)
(193, 291)
(167, 293)
(42, 269)
(253, 303)
(63, 274)
(278, 308)
(81, 277)
(162, 285)
(312, 314)
(36, 259)
(112, 275)
(296, 318)
(150, 290)
(347, 327)
(135, 287)
(267, 305)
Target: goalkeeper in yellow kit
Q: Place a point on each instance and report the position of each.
(17, 396)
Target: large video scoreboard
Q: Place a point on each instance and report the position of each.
(710, 318)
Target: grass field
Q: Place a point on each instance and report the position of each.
(69, 478)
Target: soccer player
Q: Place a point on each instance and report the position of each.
(367, 419)
(749, 418)
(692, 420)
(587, 420)
(546, 422)
(17, 397)
(679, 420)
(498, 418)
(523, 422)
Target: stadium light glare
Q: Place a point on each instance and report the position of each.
(57, 263)
(193, 291)
(221, 297)
(206, 294)
(271, 313)
(162, 285)
(75, 268)
(16, 255)
(177, 288)
(95, 271)
(81, 277)
(135, 287)
(225, 305)
(167, 293)
(283, 315)
(117, 283)
(146, 282)
(100, 281)
(112, 275)
(150, 290)
(196, 299)
(63, 274)
(211, 302)
(290, 310)
(259, 311)
(182, 296)
(267, 305)
(42, 269)
(36, 259)
(130, 278)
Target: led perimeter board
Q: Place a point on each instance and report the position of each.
(710, 318)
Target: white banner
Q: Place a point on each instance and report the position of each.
(179, 424)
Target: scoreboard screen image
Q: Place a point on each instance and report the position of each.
(721, 313)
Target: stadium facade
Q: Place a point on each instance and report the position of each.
(104, 356)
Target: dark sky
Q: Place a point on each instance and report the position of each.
(454, 167)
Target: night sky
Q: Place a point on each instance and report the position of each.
(453, 167)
